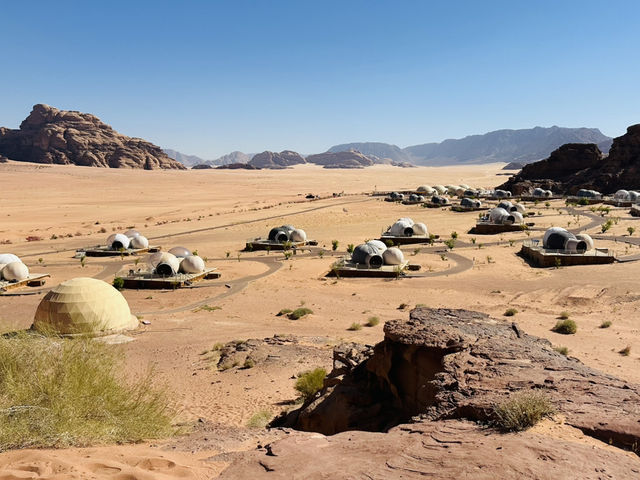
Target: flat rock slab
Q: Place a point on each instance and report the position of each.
(443, 450)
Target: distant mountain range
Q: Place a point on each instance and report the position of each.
(193, 160)
(520, 146)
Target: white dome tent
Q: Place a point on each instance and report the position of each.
(15, 272)
(165, 264)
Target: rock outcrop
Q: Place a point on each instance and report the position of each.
(350, 159)
(444, 364)
(237, 166)
(420, 404)
(274, 160)
(513, 166)
(53, 136)
(574, 166)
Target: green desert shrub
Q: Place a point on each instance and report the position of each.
(284, 311)
(563, 315)
(260, 419)
(300, 312)
(521, 411)
(72, 392)
(605, 324)
(310, 382)
(566, 327)
(510, 312)
(118, 283)
(355, 326)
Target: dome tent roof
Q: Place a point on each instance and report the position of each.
(83, 306)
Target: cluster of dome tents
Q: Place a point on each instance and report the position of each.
(627, 196)
(406, 227)
(176, 260)
(12, 269)
(558, 238)
(375, 254)
(542, 193)
(505, 213)
(129, 239)
(287, 233)
(585, 193)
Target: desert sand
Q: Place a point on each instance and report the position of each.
(215, 212)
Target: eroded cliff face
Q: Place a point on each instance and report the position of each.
(443, 364)
(575, 166)
(53, 136)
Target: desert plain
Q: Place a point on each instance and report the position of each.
(63, 208)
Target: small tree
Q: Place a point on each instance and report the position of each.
(334, 245)
(631, 231)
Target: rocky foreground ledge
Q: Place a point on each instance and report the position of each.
(419, 403)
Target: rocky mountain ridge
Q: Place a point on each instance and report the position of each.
(575, 166)
(522, 146)
(53, 136)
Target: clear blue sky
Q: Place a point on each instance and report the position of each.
(210, 77)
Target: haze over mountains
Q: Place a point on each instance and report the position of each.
(521, 146)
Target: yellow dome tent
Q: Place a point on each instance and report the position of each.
(83, 306)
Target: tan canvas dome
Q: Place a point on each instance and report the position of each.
(83, 306)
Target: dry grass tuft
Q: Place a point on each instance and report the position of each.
(70, 392)
(523, 410)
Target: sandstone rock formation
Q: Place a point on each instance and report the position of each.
(513, 166)
(237, 166)
(445, 450)
(443, 364)
(49, 135)
(350, 159)
(444, 371)
(274, 160)
(575, 166)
